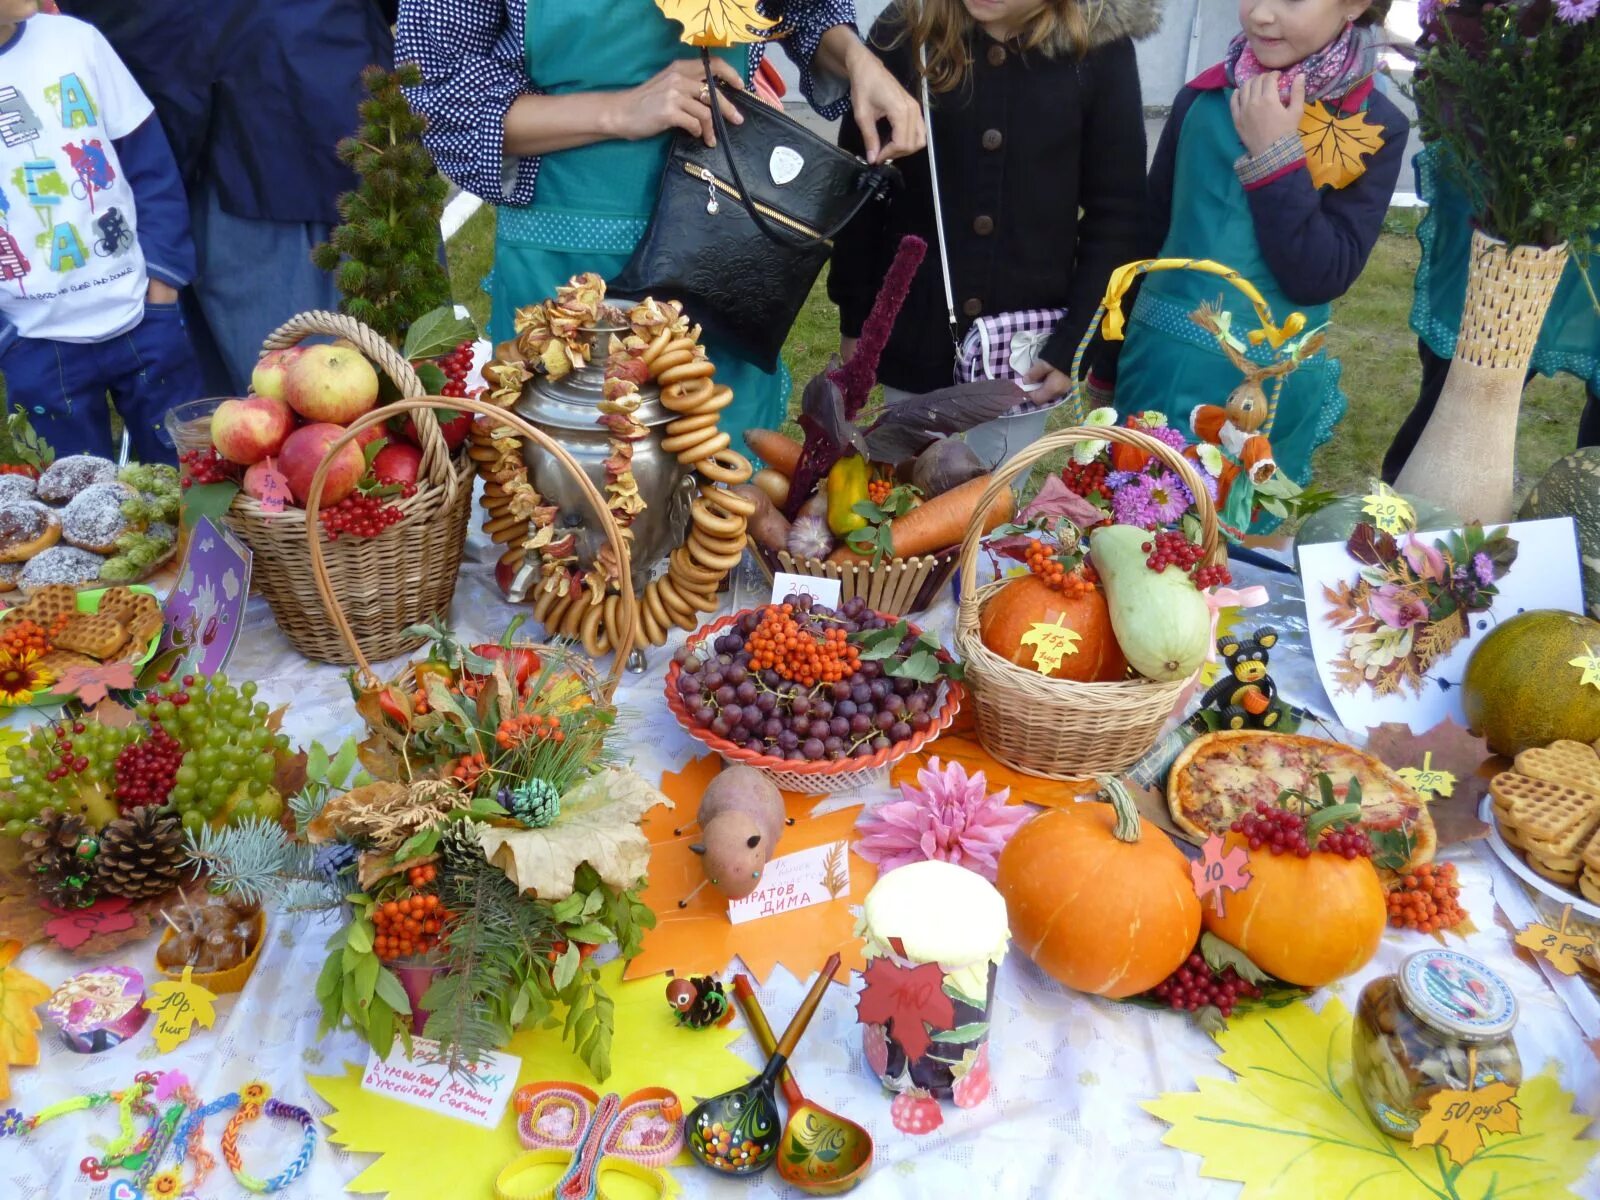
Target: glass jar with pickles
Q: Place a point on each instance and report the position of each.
(1414, 1033)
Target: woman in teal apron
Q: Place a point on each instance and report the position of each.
(582, 199)
(1300, 238)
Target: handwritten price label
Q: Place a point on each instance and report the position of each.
(1456, 1121)
(1563, 950)
(1389, 511)
(1589, 663)
(274, 488)
(822, 591)
(179, 1005)
(1051, 642)
(1425, 779)
(1219, 872)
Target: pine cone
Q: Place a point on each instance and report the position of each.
(58, 849)
(141, 854)
(536, 803)
(460, 852)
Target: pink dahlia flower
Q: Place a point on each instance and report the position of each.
(949, 816)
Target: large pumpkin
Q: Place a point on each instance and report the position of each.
(1308, 921)
(1521, 689)
(1099, 898)
(1027, 601)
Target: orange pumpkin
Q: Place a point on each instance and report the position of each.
(1098, 897)
(1028, 601)
(1307, 921)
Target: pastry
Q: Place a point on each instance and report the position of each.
(93, 520)
(138, 611)
(1573, 764)
(9, 573)
(61, 564)
(66, 477)
(58, 662)
(1544, 812)
(17, 487)
(26, 527)
(94, 634)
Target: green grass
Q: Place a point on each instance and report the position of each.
(1370, 334)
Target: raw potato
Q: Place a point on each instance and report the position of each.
(768, 526)
(774, 483)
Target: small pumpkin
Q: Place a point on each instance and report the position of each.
(1307, 921)
(1011, 614)
(1099, 897)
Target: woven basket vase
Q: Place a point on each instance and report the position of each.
(1466, 457)
(384, 584)
(1058, 728)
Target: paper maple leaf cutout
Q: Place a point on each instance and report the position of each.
(1051, 641)
(907, 1000)
(1292, 1123)
(718, 22)
(179, 1005)
(1458, 1120)
(19, 1024)
(73, 927)
(1389, 510)
(1589, 663)
(91, 684)
(1561, 949)
(1336, 145)
(1217, 874)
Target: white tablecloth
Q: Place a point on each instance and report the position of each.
(1069, 1070)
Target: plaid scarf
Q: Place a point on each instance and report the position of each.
(1329, 73)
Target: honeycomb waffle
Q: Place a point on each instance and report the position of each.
(50, 602)
(121, 602)
(94, 634)
(1563, 877)
(1567, 845)
(138, 611)
(1573, 764)
(1589, 886)
(58, 661)
(1591, 858)
(1542, 810)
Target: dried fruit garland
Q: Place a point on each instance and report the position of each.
(661, 347)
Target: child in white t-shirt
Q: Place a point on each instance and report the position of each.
(94, 241)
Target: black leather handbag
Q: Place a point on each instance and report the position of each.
(741, 231)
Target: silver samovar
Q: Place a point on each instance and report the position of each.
(568, 411)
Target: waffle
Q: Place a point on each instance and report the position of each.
(1567, 845)
(1571, 764)
(1543, 811)
(121, 602)
(1589, 887)
(50, 602)
(58, 662)
(94, 634)
(138, 611)
(1564, 878)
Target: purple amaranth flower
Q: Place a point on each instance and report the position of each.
(1133, 503)
(1481, 566)
(1170, 498)
(1575, 12)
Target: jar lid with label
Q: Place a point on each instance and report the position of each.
(1457, 995)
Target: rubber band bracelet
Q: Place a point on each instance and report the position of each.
(275, 1109)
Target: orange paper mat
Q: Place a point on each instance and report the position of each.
(961, 745)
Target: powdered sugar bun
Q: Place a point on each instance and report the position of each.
(66, 477)
(8, 576)
(17, 487)
(26, 528)
(94, 520)
(60, 564)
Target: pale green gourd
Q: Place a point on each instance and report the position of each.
(1161, 620)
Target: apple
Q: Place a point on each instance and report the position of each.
(303, 452)
(370, 434)
(248, 430)
(397, 463)
(331, 384)
(268, 377)
(454, 424)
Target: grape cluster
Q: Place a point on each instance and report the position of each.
(85, 752)
(1427, 899)
(363, 516)
(205, 466)
(756, 708)
(1084, 478)
(146, 770)
(1195, 985)
(1278, 829)
(456, 365)
(1347, 841)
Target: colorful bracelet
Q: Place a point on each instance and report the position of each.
(249, 1110)
(125, 1150)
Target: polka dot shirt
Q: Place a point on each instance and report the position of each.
(471, 55)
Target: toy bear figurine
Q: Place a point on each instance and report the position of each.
(1245, 697)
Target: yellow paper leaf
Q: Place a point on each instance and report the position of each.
(1336, 145)
(422, 1156)
(1051, 641)
(19, 1024)
(179, 1005)
(1562, 950)
(1292, 1124)
(1424, 779)
(1457, 1120)
(718, 22)
(1589, 663)
(1390, 511)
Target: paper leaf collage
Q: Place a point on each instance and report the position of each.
(423, 1157)
(699, 939)
(1336, 145)
(1291, 1123)
(19, 1024)
(908, 1000)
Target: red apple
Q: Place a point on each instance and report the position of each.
(246, 431)
(454, 424)
(397, 462)
(268, 377)
(304, 451)
(370, 434)
(332, 384)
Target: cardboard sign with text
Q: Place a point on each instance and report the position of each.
(799, 880)
(480, 1096)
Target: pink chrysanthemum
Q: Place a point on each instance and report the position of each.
(1574, 12)
(1131, 504)
(948, 816)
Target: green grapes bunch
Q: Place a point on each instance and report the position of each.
(64, 765)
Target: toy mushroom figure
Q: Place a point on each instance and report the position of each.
(741, 818)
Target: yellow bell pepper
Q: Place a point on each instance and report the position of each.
(847, 487)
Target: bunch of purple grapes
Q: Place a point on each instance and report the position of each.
(767, 714)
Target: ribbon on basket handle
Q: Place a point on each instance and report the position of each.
(1217, 600)
(1123, 278)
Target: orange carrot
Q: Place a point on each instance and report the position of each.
(777, 451)
(939, 523)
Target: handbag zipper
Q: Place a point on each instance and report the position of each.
(706, 176)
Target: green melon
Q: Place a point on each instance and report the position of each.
(1571, 488)
(1338, 520)
(1521, 689)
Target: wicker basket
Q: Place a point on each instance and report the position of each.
(1057, 728)
(328, 600)
(387, 583)
(894, 587)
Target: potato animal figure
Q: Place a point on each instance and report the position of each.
(741, 818)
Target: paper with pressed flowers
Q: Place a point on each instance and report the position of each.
(1393, 619)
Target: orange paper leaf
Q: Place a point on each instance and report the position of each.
(1337, 145)
(19, 1024)
(964, 748)
(1217, 873)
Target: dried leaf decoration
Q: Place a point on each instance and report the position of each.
(598, 825)
(1291, 1123)
(19, 1024)
(1336, 145)
(718, 22)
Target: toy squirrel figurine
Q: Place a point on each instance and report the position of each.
(741, 818)
(1245, 696)
(699, 1002)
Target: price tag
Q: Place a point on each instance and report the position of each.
(1389, 511)
(1589, 663)
(179, 1005)
(822, 591)
(1218, 872)
(1425, 779)
(1457, 1120)
(274, 488)
(1051, 642)
(1561, 949)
